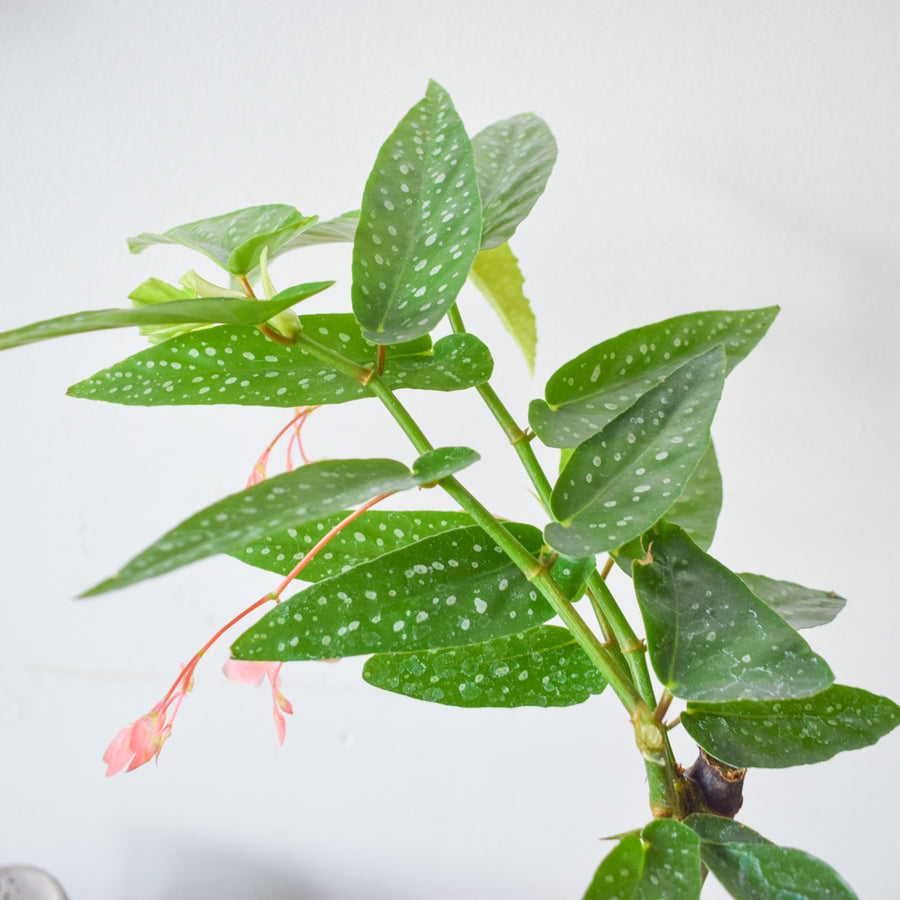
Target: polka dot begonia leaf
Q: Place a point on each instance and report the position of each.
(800, 607)
(777, 734)
(373, 534)
(710, 638)
(621, 481)
(588, 392)
(304, 495)
(750, 867)
(332, 231)
(234, 240)
(671, 863)
(513, 159)
(173, 312)
(454, 588)
(619, 873)
(543, 666)
(420, 224)
(242, 366)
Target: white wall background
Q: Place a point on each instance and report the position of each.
(712, 155)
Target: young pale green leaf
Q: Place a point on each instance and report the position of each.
(420, 224)
(543, 666)
(591, 390)
(244, 367)
(514, 159)
(783, 733)
(696, 511)
(373, 534)
(619, 874)
(496, 274)
(234, 240)
(455, 588)
(620, 482)
(304, 495)
(333, 231)
(194, 311)
(751, 868)
(710, 638)
(671, 863)
(799, 606)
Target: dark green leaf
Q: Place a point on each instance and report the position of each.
(710, 638)
(202, 310)
(420, 224)
(543, 666)
(620, 872)
(671, 863)
(496, 274)
(373, 534)
(621, 481)
(751, 868)
(514, 159)
(234, 240)
(783, 733)
(799, 606)
(242, 366)
(304, 495)
(455, 588)
(696, 511)
(591, 390)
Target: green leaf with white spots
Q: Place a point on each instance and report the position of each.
(496, 274)
(193, 311)
(242, 366)
(514, 159)
(234, 240)
(710, 638)
(373, 534)
(332, 231)
(696, 511)
(420, 224)
(457, 587)
(304, 495)
(592, 389)
(799, 606)
(620, 482)
(751, 868)
(782, 733)
(671, 863)
(618, 874)
(543, 666)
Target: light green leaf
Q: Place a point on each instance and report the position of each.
(420, 224)
(204, 309)
(621, 481)
(242, 366)
(543, 666)
(455, 588)
(333, 231)
(671, 863)
(696, 511)
(304, 495)
(710, 638)
(783, 733)
(234, 240)
(514, 159)
(373, 534)
(496, 274)
(619, 874)
(799, 606)
(589, 391)
(752, 868)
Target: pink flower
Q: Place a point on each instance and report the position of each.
(138, 742)
(247, 671)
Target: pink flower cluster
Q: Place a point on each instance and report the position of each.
(245, 671)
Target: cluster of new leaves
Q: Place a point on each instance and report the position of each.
(440, 609)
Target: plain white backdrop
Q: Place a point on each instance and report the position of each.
(712, 155)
